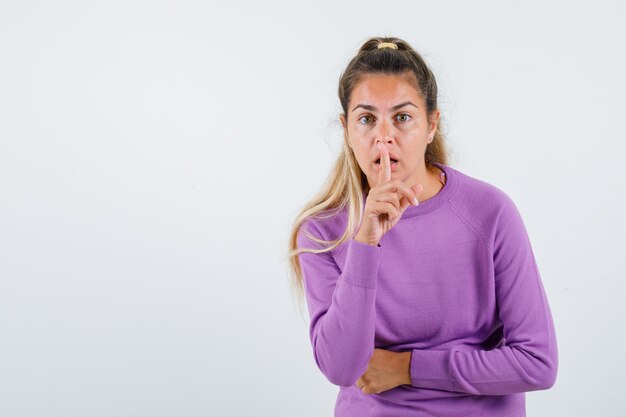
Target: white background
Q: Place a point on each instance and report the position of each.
(154, 154)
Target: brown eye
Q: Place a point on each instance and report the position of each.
(404, 114)
(365, 116)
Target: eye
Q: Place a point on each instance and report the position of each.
(367, 115)
(404, 114)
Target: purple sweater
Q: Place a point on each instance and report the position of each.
(456, 283)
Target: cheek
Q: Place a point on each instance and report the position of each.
(362, 156)
(358, 145)
(413, 132)
(363, 159)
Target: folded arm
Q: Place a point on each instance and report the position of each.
(528, 360)
(341, 304)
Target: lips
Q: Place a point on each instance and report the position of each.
(392, 157)
(393, 166)
(392, 160)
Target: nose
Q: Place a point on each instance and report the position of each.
(385, 132)
(386, 139)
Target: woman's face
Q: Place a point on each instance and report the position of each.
(388, 108)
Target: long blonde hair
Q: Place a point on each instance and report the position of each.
(346, 185)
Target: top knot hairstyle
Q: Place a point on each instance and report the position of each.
(346, 184)
(389, 55)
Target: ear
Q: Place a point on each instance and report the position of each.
(342, 119)
(434, 120)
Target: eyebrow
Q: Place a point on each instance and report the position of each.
(396, 107)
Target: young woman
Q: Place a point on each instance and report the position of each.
(423, 291)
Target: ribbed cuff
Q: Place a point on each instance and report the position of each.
(430, 369)
(361, 265)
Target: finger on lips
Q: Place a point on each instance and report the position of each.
(384, 175)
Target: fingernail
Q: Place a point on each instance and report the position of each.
(378, 144)
(415, 201)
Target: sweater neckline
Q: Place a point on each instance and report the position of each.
(439, 199)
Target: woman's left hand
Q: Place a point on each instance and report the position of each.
(385, 370)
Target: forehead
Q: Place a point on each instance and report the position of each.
(386, 90)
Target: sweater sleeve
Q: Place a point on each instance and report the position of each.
(528, 360)
(341, 304)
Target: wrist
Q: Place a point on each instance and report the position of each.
(367, 242)
(406, 367)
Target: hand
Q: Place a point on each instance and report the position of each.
(385, 202)
(385, 370)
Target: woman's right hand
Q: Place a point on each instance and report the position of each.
(385, 202)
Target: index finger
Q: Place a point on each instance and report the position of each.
(405, 191)
(384, 175)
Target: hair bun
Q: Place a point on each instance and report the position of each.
(387, 45)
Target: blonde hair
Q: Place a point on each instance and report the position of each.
(346, 185)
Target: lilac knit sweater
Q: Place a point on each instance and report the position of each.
(456, 283)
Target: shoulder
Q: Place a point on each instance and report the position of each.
(328, 225)
(477, 193)
(483, 205)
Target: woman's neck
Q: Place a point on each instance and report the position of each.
(432, 185)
